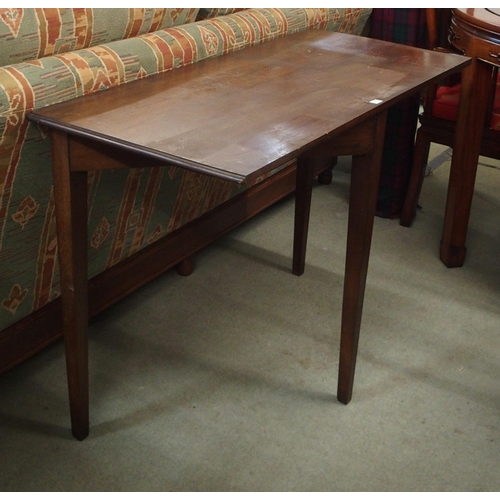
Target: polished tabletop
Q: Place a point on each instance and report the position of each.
(488, 19)
(494, 11)
(242, 114)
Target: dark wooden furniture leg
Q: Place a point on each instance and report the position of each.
(326, 176)
(303, 193)
(185, 267)
(365, 142)
(474, 93)
(70, 194)
(365, 175)
(420, 157)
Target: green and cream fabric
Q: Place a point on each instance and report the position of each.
(128, 210)
(27, 34)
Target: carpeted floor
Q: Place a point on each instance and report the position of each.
(225, 380)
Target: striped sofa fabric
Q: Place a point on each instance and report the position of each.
(27, 34)
(53, 55)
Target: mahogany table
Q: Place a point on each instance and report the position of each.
(476, 33)
(308, 96)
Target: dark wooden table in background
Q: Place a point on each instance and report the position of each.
(475, 32)
(308, 96)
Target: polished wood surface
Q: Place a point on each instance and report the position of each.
(476, 33)
(313, 95)
(484, 20)
(261, 104)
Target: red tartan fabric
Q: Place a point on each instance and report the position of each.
(405, 26)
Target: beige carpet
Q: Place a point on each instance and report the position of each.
(225, 380)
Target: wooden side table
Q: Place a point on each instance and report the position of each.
(476, 33)
(310, 96)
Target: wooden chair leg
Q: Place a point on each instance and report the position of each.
(420, 158)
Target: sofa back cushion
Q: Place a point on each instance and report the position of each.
(209, 13)
(27, 34)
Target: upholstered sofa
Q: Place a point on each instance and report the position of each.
(141, 222)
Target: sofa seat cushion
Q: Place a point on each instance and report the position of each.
(445, 105)
(27, 34)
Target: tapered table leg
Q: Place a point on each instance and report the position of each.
(70, 195)
(365, 142)
(303, 193)
(365, 174)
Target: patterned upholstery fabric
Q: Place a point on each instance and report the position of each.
(27, 34)
(209, 13)
(128, 209)
(445, 105)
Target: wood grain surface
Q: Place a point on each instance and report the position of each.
(244, 113)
